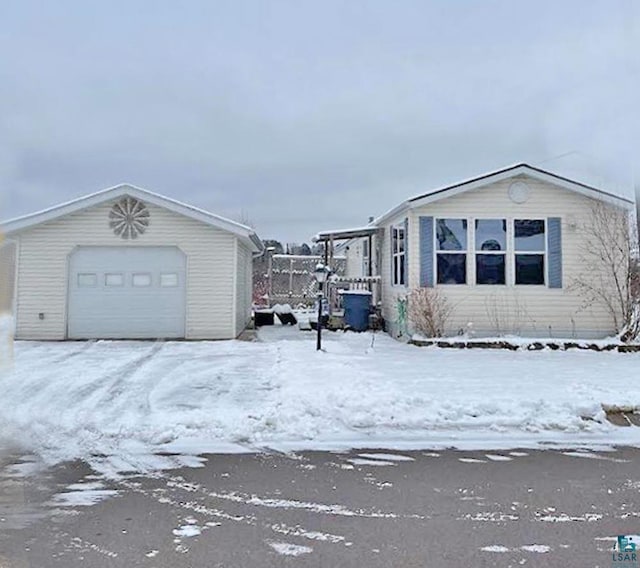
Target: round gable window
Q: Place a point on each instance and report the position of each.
(129, 218)
(519, 192)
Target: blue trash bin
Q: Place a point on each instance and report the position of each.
(356, 305)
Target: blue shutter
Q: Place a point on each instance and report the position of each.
(426, 252)
(554, 251)
(406, 252)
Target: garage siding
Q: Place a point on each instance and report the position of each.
(244, 281)
(43, 268)
(8, 254)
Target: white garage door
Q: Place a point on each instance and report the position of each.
(126, 293)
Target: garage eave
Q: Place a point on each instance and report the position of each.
(67, 208)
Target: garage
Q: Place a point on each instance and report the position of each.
(126, 292)
(127, 263)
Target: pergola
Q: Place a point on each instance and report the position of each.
(329, 238)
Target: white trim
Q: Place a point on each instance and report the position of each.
(400, 227)
(27, 221)
(234, 314)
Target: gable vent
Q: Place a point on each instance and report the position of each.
(129, 218)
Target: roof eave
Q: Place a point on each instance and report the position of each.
(397, 210)
(513, 171)
(67, 208)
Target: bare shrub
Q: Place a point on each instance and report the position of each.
(609, 275)
(429, 311)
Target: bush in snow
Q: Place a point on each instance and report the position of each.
(610, 276)
(429, 311)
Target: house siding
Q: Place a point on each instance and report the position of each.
(526, 310)
(43, 266)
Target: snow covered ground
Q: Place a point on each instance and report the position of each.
(120, 405)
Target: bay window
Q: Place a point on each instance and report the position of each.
(490, 250)
(529, 246)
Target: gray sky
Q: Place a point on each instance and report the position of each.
(302, 116)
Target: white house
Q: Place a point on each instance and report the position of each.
(125, 263)
(505, 249)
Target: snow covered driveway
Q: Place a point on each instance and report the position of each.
(123, 401)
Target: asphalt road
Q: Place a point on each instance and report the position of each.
(531, 508)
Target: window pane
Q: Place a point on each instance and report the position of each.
(529, 234)
(490, 269)
(401, 275)
(529, 269)
(394, 236)
(141, 280)
(87, 279)
(452, 234)
(452, 268)
(113, 279)
(396, 262)
(491, 234)
(169, 280)
(400, 240)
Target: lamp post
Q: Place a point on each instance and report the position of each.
(320, 273)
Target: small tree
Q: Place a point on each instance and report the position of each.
(429, 311)
(610, 270)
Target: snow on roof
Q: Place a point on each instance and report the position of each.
(78, 204)
(507, 172)
(345, 233)
(512, 170)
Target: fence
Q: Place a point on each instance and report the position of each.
(291, 279)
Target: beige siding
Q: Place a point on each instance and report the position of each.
(525, 310)
(8, 252)
(244, 278)
(43, 257)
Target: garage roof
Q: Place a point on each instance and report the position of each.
(243, 232)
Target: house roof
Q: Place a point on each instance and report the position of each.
(343, 234)
(439, 193)
(243, 232)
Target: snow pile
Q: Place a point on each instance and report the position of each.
(127, 400)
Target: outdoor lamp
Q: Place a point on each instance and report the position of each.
(320, 273)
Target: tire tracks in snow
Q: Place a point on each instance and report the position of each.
(200, 507)
(121, 375)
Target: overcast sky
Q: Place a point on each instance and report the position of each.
(303, 116)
